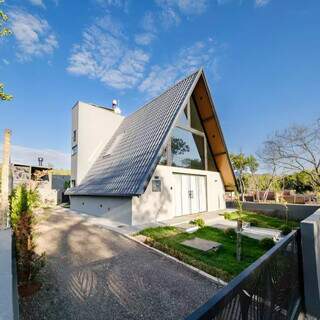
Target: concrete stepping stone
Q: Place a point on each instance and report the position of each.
(201, 244)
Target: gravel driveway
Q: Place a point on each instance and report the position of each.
(95, 273)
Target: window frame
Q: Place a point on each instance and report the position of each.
(193, 131)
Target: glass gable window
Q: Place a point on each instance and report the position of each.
(183, 118)
(195, 119)
(187, 149)
(211, 163)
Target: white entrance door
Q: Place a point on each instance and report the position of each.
(190, 194)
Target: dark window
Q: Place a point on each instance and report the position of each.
(195, 119)
(74, 136)
(187, 149)
(211, 164)
(74, 150)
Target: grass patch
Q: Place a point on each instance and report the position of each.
(260, 220)
(222, 263)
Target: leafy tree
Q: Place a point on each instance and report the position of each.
(3, 33)
(179, 146)
(243, 165)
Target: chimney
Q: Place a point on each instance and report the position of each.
(40, 161)
(5, 179)
(115, 107)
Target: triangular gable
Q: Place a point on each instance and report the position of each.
(213, 133)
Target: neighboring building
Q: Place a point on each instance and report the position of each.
(166, 159)
(50, 186)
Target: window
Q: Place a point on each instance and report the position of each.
(187, 149)
(195, 119)
(74, 136)
(211, 163)
(183, 118)
(74, 150)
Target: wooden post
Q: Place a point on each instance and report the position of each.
(5, 180)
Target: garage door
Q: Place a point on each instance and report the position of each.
(190, 194)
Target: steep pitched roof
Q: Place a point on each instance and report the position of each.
(127, 162)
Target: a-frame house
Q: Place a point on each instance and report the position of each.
(167, 159)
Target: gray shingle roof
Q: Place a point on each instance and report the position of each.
(127, 162)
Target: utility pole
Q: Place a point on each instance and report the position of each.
(5, 180)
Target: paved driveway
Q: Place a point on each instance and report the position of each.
(94, 273)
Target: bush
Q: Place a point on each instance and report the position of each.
(22, 219)
(253, 222)
(285, 229)
(230, 233)
(266, 243)
(198, 222)
(227, 216)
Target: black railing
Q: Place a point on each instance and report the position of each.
(270, 288)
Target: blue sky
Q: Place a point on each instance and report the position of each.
(261, 59)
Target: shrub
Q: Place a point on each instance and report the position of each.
(22, 219)
(285, 229)
(266, 243)
(227, 216)
(253, 222)
(230, 233)
(198, 222)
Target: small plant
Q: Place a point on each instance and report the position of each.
(231, 233)
(266, 243)
(285, 229)
(253, 222)
(198, 222)
(227, 216)
(22, 220)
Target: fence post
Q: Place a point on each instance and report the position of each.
(310, 239)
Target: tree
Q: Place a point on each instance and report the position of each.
(3, 33)
(253, 165)
(296, 149)
(240, 166)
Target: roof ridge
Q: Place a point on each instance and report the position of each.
(164, 92)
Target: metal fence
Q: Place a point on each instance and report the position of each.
(271, 288)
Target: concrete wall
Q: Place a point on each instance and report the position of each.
(157, 206)
(310, 238)
(296, 212)
(94, 126)
(8, 286)
(114, 208)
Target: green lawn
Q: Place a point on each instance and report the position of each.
(261, 220)
(222, 264)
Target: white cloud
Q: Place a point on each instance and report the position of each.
(188, 60)
(188, 7)
(25, 155)
(37, 3)
(148, 22)
(144, 38)
(104, 54)
(5, 61)
(261, 3)
(33, 34)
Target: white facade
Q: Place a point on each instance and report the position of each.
(155, 205)
(92, 127)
